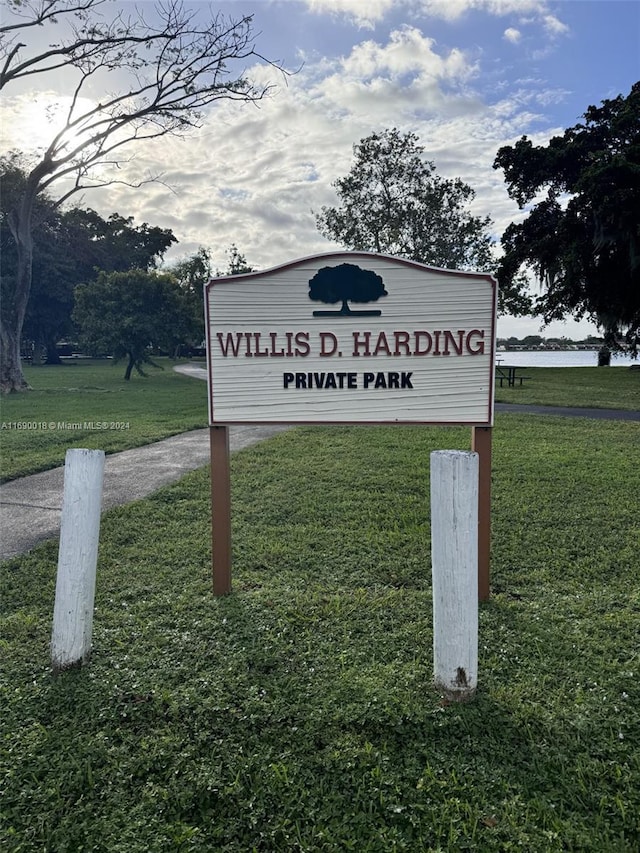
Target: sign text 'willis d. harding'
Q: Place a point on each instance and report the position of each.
(268, 347)
(364, 344)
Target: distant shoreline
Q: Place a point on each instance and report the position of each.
(559, 358)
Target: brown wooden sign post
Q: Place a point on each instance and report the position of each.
(220, 509)
(481, 444)
(349, 338)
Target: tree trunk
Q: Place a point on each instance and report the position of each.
(14, 308)
(52, 353)
(130, 365)
(15, 304)
(11, 376)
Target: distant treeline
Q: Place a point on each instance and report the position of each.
(537, 342)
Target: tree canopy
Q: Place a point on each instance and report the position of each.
(194, 271)
(126, 314)
(581, 238)
(69, 247)
(173, 63)
(393, 201)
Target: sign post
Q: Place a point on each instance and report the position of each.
(454, 570)
(220, 509)
(349, 338)
(77, 558)
(481, 444)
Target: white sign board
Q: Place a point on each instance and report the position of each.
(351, 337)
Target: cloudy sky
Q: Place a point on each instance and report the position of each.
(467, 76)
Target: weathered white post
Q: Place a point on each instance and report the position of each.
(77, 558)
(454, 567)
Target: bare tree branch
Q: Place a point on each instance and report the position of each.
(178, 61)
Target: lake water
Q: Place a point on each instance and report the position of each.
(565, 358)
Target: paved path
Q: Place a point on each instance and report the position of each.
(30, 508)
(598, 414)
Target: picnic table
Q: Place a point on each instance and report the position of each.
(509, 373)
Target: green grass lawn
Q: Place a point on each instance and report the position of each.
(602, 388)
(297, 714)
(41, 425)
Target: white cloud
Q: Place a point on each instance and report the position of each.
(406, 76)
(368, 13)
(512, 35)
(365, 13)
(254, 177)
(453, 9)
(406, 52)
(554, 26)
(501, 8)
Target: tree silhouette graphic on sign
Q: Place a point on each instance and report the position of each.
(346, 283)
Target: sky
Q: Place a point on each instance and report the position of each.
(466, 76)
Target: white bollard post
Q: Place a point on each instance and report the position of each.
(454, 568)
(77, 558)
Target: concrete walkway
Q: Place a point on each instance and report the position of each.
(30, 508)
(565, 411)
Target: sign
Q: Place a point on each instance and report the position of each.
(351, 337)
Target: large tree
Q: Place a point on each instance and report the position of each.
(177, 62)
(86, 243)
(127, 314)
(70, 246)
(115, 244)
(581, 237)
(393, 201)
